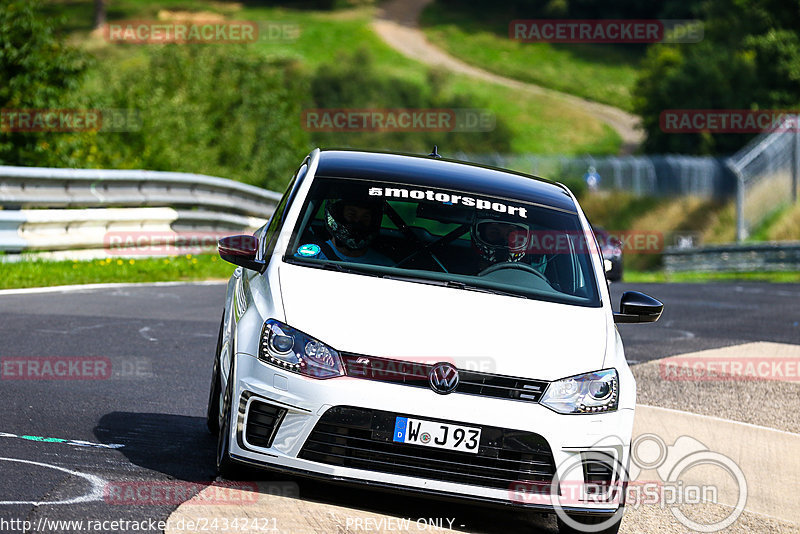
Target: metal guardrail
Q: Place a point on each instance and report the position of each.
(770, 256)
(85, 188)
(37, 206)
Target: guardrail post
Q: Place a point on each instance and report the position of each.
(741, 228)
(10, 239)
(796, 159)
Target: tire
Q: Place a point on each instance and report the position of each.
(212, 413)
(590, 522)
(226, 467)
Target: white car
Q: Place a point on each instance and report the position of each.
(427, 325)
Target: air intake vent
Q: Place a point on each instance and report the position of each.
(263, 421)
(598, 471)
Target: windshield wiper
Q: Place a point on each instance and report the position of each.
(418, 279)
(481, 289)
(332, 266)
(453, 284)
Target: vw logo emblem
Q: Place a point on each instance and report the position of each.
(443, 378)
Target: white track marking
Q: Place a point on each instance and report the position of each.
(750, 425)
(144, 332)
(95, 494)
(89, 287)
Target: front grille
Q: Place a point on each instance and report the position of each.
(416, 374)
(362, 439)
(262, 423)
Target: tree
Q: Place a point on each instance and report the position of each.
(749, 59)
(36, 71)
(99, 13)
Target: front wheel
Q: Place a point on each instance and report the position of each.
(226, 468)
(212, 413)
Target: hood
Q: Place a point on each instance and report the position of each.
(419, 322)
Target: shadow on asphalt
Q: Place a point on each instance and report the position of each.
(176, 445)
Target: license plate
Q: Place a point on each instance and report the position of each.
(438, 435)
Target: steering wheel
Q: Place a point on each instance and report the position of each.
(512, 265)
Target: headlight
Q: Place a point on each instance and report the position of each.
(290, 349)
(590, 393)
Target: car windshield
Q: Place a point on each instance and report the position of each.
(439, 236)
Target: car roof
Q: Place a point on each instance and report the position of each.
(442, 173)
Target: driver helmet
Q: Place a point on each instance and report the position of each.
(353, 223)
(499, 241)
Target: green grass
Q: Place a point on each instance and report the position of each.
(702, 277)
(763, 230)
(40, 273)
(604, 73)
(539, 124)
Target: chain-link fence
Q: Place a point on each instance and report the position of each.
(767, 171)
(704, 177)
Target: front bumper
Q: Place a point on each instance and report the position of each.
(526, 429)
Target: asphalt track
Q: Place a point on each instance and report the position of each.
(144, 422)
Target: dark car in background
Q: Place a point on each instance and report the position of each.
(611, 248)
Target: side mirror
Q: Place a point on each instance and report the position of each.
(240, 250)
(607, 265)
(637, 307)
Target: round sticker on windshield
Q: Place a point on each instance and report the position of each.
(308, 251)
